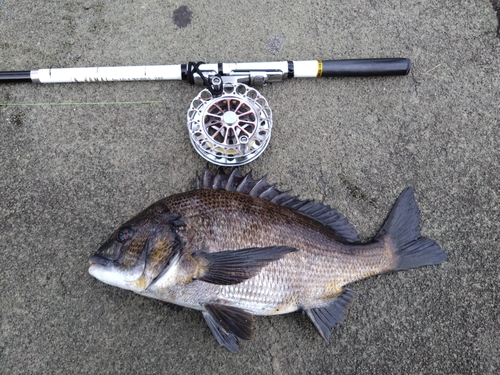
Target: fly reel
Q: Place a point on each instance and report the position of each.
(232, 128)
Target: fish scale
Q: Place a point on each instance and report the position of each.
(237, 247)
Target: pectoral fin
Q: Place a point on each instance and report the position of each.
(228, 324)
(331, 316)
(235, 266)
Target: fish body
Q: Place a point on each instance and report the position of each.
(237, 247)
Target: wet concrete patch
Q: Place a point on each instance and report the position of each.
(17, 118)
(275, 44)
(182, 16)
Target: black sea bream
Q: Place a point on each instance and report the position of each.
(237, 247)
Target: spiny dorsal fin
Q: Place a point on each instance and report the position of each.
(233, 180)
(247, 184)
(260, 188)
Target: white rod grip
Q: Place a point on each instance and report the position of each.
(112, 73)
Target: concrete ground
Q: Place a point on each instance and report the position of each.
(69, 174)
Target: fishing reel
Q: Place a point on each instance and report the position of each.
(230, 127)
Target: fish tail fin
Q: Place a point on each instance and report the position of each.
(403, 228)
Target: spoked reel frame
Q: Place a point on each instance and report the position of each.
(230, 129)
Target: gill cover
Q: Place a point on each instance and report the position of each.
(138, 252)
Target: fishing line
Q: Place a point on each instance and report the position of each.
(77, 103)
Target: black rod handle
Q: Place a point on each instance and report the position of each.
(15, 77)
(365, 67)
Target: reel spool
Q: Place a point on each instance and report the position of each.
(230, 129)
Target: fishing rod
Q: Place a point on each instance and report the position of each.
(229, 121)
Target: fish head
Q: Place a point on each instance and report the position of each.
(140, 250)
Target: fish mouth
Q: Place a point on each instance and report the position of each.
(97, 259)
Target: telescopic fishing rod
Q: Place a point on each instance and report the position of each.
(229, 122)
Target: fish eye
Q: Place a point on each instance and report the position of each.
(124, 234)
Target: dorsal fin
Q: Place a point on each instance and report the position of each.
(260, 188)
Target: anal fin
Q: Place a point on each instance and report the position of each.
(331, 316)
(227, 324)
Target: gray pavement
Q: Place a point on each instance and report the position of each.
(69, 174)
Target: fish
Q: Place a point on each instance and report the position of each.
(236, 247)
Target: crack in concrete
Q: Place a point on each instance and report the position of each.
(323, 186)
(496, 8)
(356, 191)
(275, 364)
